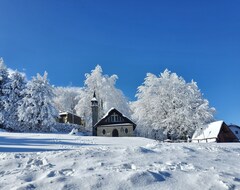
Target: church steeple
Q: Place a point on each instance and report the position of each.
(94, 106)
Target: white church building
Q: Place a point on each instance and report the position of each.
(112, 124)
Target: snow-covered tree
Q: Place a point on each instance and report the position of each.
(37, 111)
(4, 80)
(107, 94)
(16, 87)
(66, 98)
(168, 107)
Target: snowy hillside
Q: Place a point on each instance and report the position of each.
(54, 161)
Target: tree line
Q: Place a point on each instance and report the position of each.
(166, 106)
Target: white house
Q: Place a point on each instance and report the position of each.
(215, 132)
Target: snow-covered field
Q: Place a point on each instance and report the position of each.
(54, 161)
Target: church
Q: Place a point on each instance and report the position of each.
(112, 124)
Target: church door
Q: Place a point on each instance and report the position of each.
(115, 133)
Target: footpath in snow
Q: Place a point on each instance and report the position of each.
(58, 161)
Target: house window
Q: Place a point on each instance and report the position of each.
(112, 118)
(115, 118)
(126, 130)
(103, 131)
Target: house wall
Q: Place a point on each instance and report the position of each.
(63, 119)
(226, 135)
(70, 118)
(121, 130)
(236, 131)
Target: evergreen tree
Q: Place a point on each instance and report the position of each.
(4, 91)
(168, 107)
(37, 111)
(16, 87)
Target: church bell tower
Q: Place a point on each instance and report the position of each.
(94, 106)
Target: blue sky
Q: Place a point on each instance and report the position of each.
(198, 40)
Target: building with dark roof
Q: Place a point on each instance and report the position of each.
(236, 130)
(112, 124)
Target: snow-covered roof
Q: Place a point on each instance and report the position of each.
(210, 132)
(65, 113)
(107, 114)
(112, 108)
(94, 99)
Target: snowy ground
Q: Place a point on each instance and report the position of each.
(53, 161)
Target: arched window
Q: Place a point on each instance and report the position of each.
(104, 131)
(126, 130)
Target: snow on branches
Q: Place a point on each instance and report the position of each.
(37, 109)
(107, 94)
(168, 107)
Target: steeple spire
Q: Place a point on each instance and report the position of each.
(94, 106)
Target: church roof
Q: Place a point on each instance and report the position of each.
(94, 99)
(126, 119)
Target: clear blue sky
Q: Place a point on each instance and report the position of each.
(198, 40)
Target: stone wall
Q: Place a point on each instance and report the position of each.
(123, 130)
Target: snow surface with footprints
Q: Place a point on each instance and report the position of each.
(61, 161)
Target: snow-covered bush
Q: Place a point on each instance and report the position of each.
(64, 127)
(168, 107)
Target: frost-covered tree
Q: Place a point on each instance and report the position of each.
(66, 98)
(16, 87)
(4, 80)
(37, 111)
(168, 107)
(107, 94)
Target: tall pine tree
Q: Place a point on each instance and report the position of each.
(4, 92)
(16, 87)
(37, 111)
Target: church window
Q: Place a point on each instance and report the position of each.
(114, 118)
(104, 131)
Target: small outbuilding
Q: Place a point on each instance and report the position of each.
(67, 117)
(215, 132)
